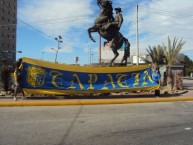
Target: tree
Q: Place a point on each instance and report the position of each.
(171, 51)
(188, 66)
(156, 54)
(4, 75)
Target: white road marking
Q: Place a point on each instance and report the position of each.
(188, 128)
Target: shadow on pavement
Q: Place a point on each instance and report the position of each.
(103, 96)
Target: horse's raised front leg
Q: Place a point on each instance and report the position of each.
(92, 29)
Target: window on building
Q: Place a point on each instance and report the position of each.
(10, 56)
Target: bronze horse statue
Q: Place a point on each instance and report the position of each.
(111, 34)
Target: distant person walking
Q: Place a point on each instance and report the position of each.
(157, 78)
(17, 78)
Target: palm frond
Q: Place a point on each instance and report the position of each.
(172, 50)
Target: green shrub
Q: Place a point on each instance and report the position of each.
(5, 74)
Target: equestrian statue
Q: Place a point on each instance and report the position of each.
(108, 28)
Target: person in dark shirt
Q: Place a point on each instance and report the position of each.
(157, 77)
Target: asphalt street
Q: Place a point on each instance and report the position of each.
(129, 124)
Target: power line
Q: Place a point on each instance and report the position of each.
(143, 8)
(61, 21)
(169, 12)
(35, 29)
(166, 13)
(68, 18)
(42, 32)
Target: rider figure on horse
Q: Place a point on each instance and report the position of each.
(118, 20)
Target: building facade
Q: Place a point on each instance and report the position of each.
(8, 21)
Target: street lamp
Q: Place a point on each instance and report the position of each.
(10, 51)
(43, 55)
(91, 58)
(59, 40)
(19, 51)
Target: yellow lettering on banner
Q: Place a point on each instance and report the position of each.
(147, 76)
(120, 77)
(57, 74)
(92, 79)
(76, 79)
(110, 79)
(136, 79)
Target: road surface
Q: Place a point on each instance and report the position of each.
(129, 124)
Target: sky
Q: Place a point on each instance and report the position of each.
(40, 21)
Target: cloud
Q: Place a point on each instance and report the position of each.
(158, 19)
(58, 16)
(68, 18)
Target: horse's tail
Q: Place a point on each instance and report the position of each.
(127, 48)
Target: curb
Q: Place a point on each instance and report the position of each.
(92, 102)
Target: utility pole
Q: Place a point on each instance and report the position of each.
(99, 49)
(90, 55)
(137, 38)
(43, 55)
(92, 58)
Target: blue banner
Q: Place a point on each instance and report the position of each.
(49, 78)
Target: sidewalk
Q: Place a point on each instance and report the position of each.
(119, 98)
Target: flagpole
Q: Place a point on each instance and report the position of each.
(137, 38)
(99, 50)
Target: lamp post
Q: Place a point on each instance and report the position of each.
(43, 55)
(92, 58)
(10, 51)
(59, 40)
(56, 50)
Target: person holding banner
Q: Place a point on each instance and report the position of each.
(17, 78)
(157, 78)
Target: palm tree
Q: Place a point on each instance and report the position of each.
(171, 52)
(156, 54)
